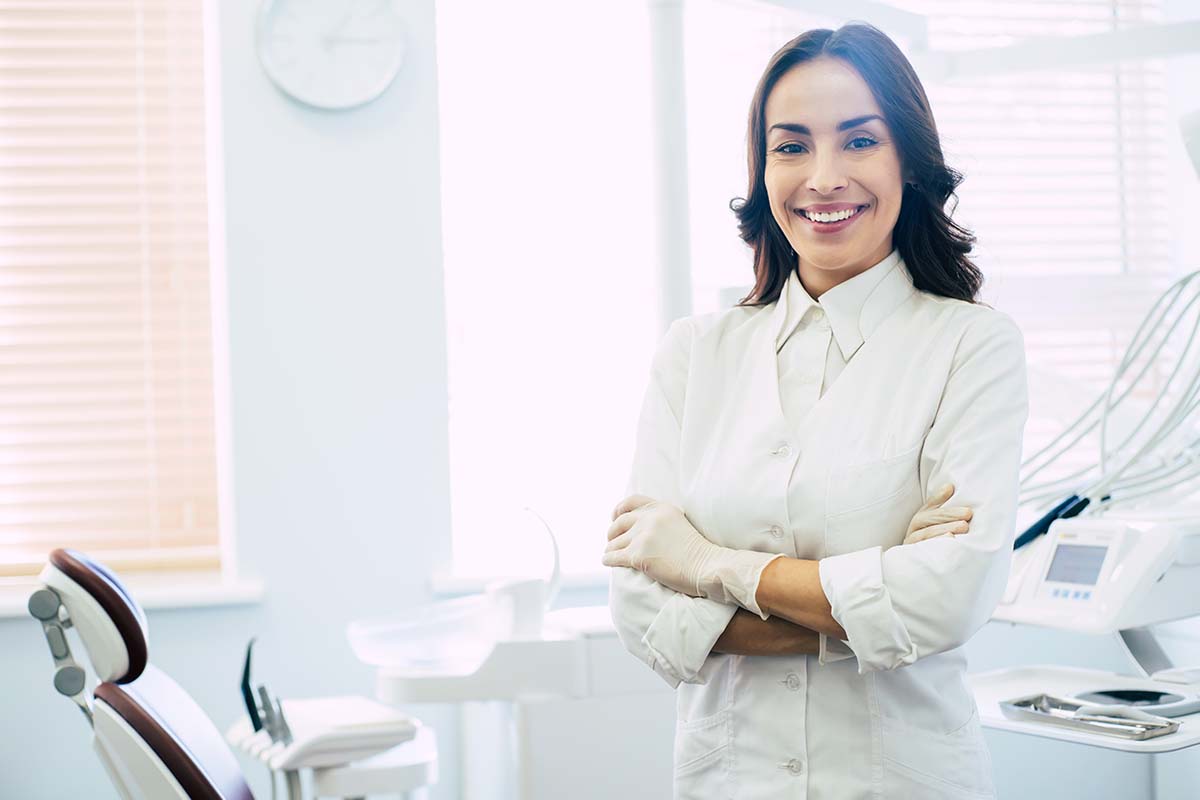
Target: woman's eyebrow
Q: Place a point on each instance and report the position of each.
(842, 126)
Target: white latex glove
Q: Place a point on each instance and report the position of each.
(657, 539)
(932, 520)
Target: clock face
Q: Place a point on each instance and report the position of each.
(331, 54)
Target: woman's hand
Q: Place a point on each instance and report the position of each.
(931, 520)
(657, 539)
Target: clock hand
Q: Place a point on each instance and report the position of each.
(342, 24)
(328, 37)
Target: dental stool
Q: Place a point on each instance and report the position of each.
(154, 741)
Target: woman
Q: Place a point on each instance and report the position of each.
(762, 562)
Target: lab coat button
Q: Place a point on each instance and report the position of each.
(776, 531)
(793, 681)
(794, 766)
(783, 450)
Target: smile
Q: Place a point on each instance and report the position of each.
(826, 218)
(831, 222)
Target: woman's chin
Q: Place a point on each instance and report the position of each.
(828, 259)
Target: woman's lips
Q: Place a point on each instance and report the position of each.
(833, 227)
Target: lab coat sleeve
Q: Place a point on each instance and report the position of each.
(907, 602)
(831, 650)
(671, 632)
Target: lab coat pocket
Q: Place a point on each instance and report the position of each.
(871, 503)
(702, 757)
(920, 763)
(854, 487)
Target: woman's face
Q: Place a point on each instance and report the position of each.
(829, 151)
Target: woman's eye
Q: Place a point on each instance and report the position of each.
(866, 139)
(790, 148)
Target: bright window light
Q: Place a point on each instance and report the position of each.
(550, 273)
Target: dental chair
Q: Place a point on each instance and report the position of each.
(154, 741)
(151, 737)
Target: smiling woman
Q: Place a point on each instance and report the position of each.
(845, 164)
(788, 446)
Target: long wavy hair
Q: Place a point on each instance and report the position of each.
(934, 247)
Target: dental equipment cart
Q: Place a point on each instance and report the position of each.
(1115, 574)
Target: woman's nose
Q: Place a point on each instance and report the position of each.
(827, 176)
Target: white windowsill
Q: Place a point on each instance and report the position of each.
(447, 584)
(156, 592)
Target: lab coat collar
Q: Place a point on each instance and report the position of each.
(854, 307)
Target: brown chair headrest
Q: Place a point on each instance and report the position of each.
(114, 599)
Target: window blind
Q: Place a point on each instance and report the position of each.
(107, 428)
(1067, 191)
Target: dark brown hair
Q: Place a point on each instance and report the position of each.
(934, 247)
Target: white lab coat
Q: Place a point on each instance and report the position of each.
(928, 391)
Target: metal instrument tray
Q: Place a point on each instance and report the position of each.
(1060, 712)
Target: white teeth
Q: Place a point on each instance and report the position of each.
(836, 216)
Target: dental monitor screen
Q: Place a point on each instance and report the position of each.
(1076, 563)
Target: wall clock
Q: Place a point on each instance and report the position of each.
(330, 55)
